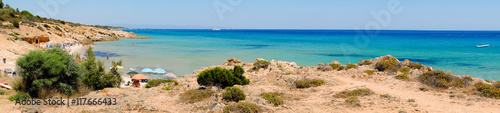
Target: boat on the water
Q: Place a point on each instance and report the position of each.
(481, 46)
(216, 29)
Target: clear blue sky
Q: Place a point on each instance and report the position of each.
(271, 14)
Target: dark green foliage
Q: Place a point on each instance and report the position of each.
(26, 13)
(95, 75)
(40, 28)
(349, 66)
(15, 23)
(387, 65)
(369, 72)
(273, 98)
(157, 82)
(416, 65)
(261, 64)
(440, 79)
(20, 97)
(233, 94)
(402, 77)
(335, 66)
(405, 70)
(341, 68)
(365, 62)
(222, 77)
(46, 26)
(488, 90)
(356, 92)
(48, 70)
(192, 96)
(308, 83)
(57, 28)
(1, 4)
(242, 107)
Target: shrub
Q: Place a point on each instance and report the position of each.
(335, 66)
(222, 77)
(48, 70)
(233, 94)
(365, 62)
(273, 98)
(341, 68)
(20, 97)
(402, 77)
(40, 28)
(156, 82)
(416, 65)
(195, 95)
(242, 107)
(387, 65)
(440, 79)
(405, 70)
(26, 13)
(57, 28)
(352, 101)
(488, 90)
(3, 92)
(308, 83)
(46, 26)
(349, 66)
(385, 96)
(261, 64)
(94, 71)
(16, 33)
(15, 24)
(369, 72)
(356, 92)
(166, 88)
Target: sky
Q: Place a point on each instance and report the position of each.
(274, 14)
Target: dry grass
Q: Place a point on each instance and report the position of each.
(242, 107)
(195, 95)
(273, 98)
(352, 93)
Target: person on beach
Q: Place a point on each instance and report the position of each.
(4, 60)
(107, 56)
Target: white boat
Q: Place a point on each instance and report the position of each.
(481, 46)
(216, 29)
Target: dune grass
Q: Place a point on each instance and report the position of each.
(353, 93)
(195, 95)
(309, 83)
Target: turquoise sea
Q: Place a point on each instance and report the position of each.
(183, 51)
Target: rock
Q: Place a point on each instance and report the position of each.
(324, 67)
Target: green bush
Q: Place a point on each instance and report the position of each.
(405, 70)
(57, 28)
(94, 71)
(335, 66)
(402, 77)
(20, 97)
(387, 65)
(166, 88)
(15, 24)
(365, 62)
(40, 28)
(440, 79)
(156, 82)
(341, 68)
(261, 64)
(48, 70)
(349, 66)
(416, 65)
(308, 83)
(352, 101)
(488, 90)
(26, 13)
(192, 96)
(369, 72)
(233, 94)
(242, 107)
(352, 93)
(222, 77)
(273, 98)
(46, 26)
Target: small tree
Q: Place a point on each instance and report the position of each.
(95, 75)
(1, 4)
(222, 77)
(45, 71)
(16, 23)
(233, 94)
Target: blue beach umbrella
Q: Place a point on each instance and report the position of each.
(159, 70)
(146, 70)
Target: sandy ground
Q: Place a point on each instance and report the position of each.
(405, 96)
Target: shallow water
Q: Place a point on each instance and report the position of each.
(183, 51)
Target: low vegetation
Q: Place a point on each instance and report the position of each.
(261, 64)
(365, 62)
(440, 79)
(385, 96)
(242, 107)
(157, 82)
(3, 92)
(233, 94)
(416, 65)
(170, 86)
(351, 66)
(223, 78)
(488, 90)
(403, 77)
(335, 66)
(94, 74)
(352, 101)
(308, 83)
(369, 72)
(387, 65)
(20, 97)
(353, 93)
(273, 98)
(196, 95)
(405, 70)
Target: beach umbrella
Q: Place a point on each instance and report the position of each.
(8, 70)
(170, 75)
(139, 77)
(159, 70)
(146, 70)
(132, 73)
